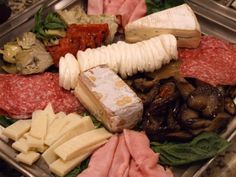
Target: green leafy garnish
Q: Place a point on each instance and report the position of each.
(159, 5)
(204, 146)
(51, 22)
(5, 121)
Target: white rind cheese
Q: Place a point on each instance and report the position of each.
(109, 98)
(179, 21)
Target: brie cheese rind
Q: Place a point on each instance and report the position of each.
(109, 98)
(179, 21)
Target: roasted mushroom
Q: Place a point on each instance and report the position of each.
(207, 100)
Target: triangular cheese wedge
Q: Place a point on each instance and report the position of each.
(179, 21)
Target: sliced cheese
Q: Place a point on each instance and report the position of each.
(179, 21)
(109, 98)
(61, 168)
(3, 137)
(78, 145)
(28, 158)
(50, 114)
(39, 124)
(21, 145)
(18, 129)
(55, 129)
(84, 125)
(34, 142)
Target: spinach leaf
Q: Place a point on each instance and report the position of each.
(159, 5)
(204, 146)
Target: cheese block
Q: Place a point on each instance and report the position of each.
(28, 158)
(79, 144)
(61, 167)
(18, 129)
(84, 125)
(34, 142)
(179, 21)
(109, 98)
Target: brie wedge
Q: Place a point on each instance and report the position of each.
(179, 21)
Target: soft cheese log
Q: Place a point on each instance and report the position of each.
(179, 21)
(123, 58)
(109, 98)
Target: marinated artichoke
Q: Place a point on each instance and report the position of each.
(25, 56)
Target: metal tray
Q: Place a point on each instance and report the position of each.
(210, 24)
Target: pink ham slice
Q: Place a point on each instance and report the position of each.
(130, 10)
(120, 163)
(101, 160)
(126, 10)
(139, 11)
(134, 170)
(144, 157)
(95, 7)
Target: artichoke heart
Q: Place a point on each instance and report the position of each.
(28, 39)
(10, 51)
(33, 60)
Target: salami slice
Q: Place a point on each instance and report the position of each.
(20, 95)
(213, 62)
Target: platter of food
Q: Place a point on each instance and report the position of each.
(115, 88)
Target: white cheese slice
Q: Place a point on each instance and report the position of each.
(3, 137)
(21, 145)
(34, 142)
(78, 145)
(55, 129)
(61, 167)
(17, 129)
(39, 124)
(179, 21)
(50, 113)
(84, 125)
(28, 158)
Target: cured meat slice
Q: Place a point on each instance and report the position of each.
(121, 160)
(213, 62)
(144, 157)
(126, 156)
(101, 160)
(139, 11)
(95, 7)
(20, 95)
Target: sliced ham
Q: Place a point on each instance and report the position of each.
(139, 11)
(113, 7)
(126, 10)
(95, 7)
(120, 163)
(129, 10)
(145, 158)
(101, 160)
(128, 155)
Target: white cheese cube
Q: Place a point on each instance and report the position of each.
(21, 145)
(28, 158)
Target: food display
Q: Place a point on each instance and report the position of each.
(122, 88)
